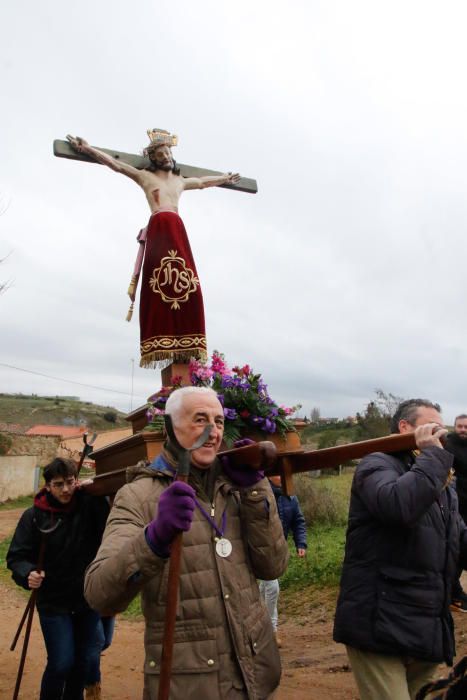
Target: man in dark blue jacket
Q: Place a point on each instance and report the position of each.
(292, 522)
(404, 541)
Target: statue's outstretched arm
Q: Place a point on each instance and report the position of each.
(82, 146)
(199, 183)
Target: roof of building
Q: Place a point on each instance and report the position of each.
(63, 431)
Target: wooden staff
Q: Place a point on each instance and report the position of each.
(183, 472)
(87, 449)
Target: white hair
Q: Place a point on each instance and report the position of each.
(174, 404)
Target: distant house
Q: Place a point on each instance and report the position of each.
(61, 431)
(71, 447)
(12, 428)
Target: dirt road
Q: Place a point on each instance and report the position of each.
(313, 666)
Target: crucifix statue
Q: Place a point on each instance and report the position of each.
(171, 311)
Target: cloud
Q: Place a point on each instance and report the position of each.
(344, 273)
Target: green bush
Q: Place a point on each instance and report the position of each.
(324, 500)
(110, 416)
(5, 443)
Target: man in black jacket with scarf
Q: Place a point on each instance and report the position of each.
(405, 540)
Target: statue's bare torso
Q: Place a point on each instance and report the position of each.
(162, 186)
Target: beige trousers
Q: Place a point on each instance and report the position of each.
(384, 677)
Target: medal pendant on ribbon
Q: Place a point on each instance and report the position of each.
(223, 547)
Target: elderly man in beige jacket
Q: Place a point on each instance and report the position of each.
(224, 642)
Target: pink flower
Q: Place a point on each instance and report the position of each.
(218, 364)
(193, 368)
(177, 381)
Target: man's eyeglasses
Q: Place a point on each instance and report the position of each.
(60, 485)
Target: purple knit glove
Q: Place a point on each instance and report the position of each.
(242, 476)
(175, 513)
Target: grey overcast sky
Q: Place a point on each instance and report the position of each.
(344, 273)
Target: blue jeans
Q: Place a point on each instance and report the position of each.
(73, 642)
(108, 626)
(105, 633)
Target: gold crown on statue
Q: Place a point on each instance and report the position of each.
(160, 137)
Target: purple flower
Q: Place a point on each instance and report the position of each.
(230, 382)
(269, 426)
(230, 413)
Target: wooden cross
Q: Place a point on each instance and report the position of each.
(62, 149)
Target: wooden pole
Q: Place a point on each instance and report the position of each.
(183, 472)
(171, 611)
(29, 613)
(298, 461)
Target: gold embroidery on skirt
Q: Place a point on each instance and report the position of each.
(173, 280)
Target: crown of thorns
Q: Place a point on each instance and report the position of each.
(160, 137)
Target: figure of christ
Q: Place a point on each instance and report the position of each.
(171, 311)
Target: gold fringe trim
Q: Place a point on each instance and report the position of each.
(160, 359)
(129, 315)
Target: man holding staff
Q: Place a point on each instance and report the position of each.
(224, 642)
(67, 524)
(404, 541)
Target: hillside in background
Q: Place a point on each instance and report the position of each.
(31, 410)
(316, 437)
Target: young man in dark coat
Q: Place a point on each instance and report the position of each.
(456, 443)
(405, 539)
(72, 631)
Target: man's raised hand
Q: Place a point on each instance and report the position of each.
(429, 435)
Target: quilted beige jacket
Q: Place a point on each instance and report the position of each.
(224, 643)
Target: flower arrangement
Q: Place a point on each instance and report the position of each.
(242, 393)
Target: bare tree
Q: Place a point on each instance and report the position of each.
(4, 285)
(387, 402)
(3, 207)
